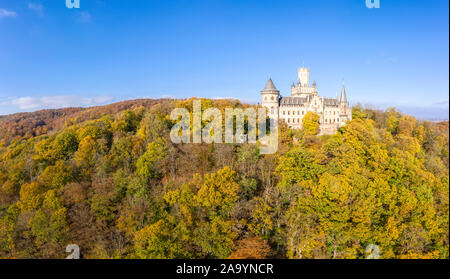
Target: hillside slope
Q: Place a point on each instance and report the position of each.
(110, 180)
(30, 124)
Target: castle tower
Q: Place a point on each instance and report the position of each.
(303, 77)
(343, 101)
(345, 112)
(270, 98)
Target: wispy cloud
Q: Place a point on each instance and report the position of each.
(223, 98)
(428, 113)
(434, 111)
(443, 103)
(37, 7)
(6, 13)
(49, 102)
(84, 17)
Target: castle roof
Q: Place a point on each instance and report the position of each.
(304, 100)
(293, 101)
(270, 86)
(330, 102)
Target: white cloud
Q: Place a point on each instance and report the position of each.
(38, 8)
(6, 13)
(165, 96)
(224, 98)
(25, 103)
(49, 102)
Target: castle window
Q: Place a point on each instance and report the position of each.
(303, 112)
(271, 110)
(272, 98)
(289, 120)
(284, 113)
(289, 113)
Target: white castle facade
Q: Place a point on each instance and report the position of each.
(333, 112)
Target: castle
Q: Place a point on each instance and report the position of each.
(333, 112)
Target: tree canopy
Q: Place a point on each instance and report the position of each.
(110, 180)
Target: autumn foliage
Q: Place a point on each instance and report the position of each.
(110, 180)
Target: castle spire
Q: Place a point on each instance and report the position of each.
(343, 94)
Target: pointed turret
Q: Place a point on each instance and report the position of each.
(270, 86)
(345, 112)
(270, 98)
(343, 95)
(270, 91)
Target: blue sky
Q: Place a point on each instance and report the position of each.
(111, 50)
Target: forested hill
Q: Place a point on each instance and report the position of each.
(30, 124)
(110, 180)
